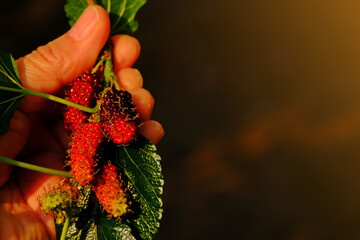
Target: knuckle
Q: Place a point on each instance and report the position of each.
(48, 60)
(48, 54)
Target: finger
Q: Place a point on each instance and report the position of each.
(34, 184)
(17, 220)
(13, 142)
(144, 103)
(152, 130)
(40, 139)
(61, 135)
(126, 51)
(129, 79)
(61, 61)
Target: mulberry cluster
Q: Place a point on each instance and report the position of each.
(115, 121)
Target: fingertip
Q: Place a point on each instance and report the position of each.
(82, 54)
(152, 130)
(129, 78)
(34, 184)
(93, 18)
(144, 102)
(126, 51)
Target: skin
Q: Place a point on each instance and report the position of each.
(36, 136)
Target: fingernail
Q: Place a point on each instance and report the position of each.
(84, 24)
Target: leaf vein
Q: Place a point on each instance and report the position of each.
(138, 190)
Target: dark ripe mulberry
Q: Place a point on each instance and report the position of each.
(96, 82)
(118, 116)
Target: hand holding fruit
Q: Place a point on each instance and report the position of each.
(48, 70)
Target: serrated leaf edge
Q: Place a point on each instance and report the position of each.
(138, 194)
(137, 166)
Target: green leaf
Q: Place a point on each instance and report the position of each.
(9, 100)
(121, 12)
(141, 171)
(74, 8)
(141, 165)
(112, 229)
(99, 229)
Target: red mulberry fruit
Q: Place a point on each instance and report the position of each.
(83, 91)
(109, 192)
(83, 151)
(73, 119)
(118, 116)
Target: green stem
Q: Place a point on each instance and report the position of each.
(107, 73)
(65, 228)
(50, 97)
(35, 167)
(94, 70)
(109, 76)
(115, 81)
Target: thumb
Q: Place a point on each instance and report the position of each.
(61, 61)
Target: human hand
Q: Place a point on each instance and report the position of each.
(34, 135)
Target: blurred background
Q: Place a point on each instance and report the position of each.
(261, 106)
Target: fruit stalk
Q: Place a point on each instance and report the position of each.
(50, 97)
(65, 228)
(110, 78)
(35, 167)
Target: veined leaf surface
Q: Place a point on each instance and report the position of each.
(141, 165)
(121, 12)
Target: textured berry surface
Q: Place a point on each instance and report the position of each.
(59, 200)
(83, 91)
(95, 81)
(120, 130)
(109, 192)
(73, 119)
(116, 121)
(118, 116)
(82, 152)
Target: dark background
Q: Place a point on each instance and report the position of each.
(261, 106)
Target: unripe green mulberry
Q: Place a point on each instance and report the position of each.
(60, 200)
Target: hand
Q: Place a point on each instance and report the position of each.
(36, 138)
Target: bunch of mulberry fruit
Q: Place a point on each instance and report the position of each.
(114, 122)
